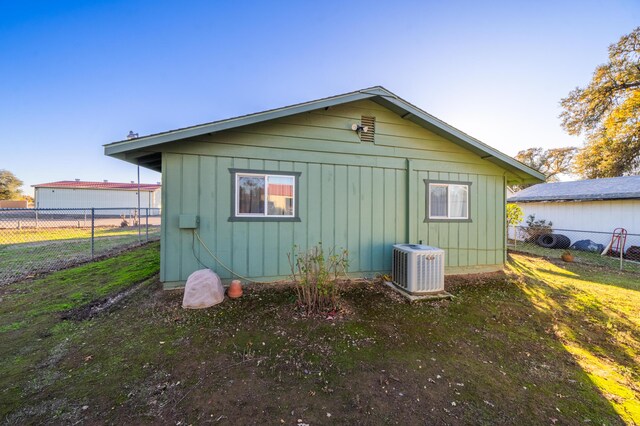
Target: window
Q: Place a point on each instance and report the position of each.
(250, 194)
(264, 196)
(448, 201)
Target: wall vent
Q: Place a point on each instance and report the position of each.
(370, 123)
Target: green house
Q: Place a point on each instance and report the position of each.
(360, 171)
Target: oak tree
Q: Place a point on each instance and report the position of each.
(9, 185)
(607, 113)
(551, 162)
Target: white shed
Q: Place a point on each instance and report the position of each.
(594, 205)
(81, 194)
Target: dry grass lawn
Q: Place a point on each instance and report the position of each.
(543, 343)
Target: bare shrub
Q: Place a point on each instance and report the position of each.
(536, 228)
(317, 277)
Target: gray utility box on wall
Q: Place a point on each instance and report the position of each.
(417, 268)
(188, 221)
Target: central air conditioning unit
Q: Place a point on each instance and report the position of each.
(417, 268)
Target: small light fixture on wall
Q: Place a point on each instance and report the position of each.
(359, 128)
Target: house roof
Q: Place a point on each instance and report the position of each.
(378, 94)
(78, 184)
(625, 187)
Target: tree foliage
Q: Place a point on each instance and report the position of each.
(550, 162)
(9, 185)
(514, 214)
(607, 113)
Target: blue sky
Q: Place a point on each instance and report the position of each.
(76, 75)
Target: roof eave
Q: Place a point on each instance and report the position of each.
(485, 151)
(384, 97)
(218, 126)
(551, 200)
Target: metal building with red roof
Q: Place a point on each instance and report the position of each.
(66, 194)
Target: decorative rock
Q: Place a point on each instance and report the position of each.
(203, 289)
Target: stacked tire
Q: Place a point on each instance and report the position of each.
(553, 241)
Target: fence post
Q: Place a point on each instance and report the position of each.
(138, 211)
(139, 226)
(621, 256)
(147, 223)
(36, 218)
(93, 223)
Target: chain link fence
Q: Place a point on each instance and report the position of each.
(35, 241)
(591, 247)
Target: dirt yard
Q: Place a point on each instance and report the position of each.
(545, 343)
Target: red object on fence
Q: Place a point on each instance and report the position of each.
(618, 240)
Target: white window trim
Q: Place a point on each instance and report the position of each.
(448, 216)
(266, 196)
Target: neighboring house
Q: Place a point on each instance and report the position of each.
(360, 171)
(69, 194)
(599, 205)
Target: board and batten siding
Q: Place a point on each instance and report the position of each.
(480, 242)
(360, 196)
